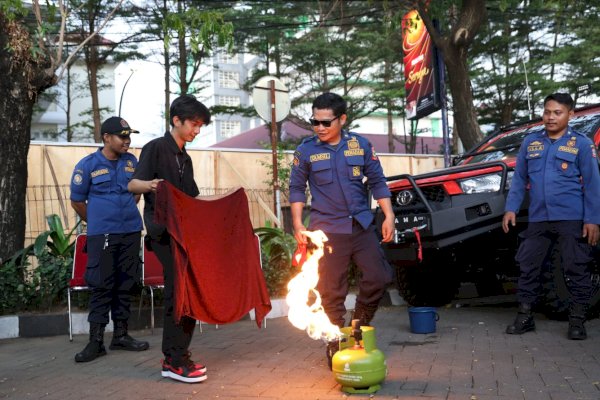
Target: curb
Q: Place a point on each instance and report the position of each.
(55, 324)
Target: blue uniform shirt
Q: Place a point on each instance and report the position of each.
(563, 178)
(335, 175)
(103, 183)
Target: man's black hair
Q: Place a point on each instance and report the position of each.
(188, 107)
(331, 101)
(562, 98)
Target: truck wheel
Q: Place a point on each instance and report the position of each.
(428, 284)
(555, 297)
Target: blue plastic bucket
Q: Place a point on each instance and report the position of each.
(422, 319)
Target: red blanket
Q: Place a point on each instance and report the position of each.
(218, 277)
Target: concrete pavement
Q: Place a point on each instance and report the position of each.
(468, 357)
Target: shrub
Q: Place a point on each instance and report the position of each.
(277, 249)
(24, 288)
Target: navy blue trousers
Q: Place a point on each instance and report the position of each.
(535, 250)
(361, 246)
(113, 269)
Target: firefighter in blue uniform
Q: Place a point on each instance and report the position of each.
(100, 197)
(335, 164)
(561, 169)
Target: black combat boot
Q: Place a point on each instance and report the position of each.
(364, 313)
(576, 319)
(524, 321)
(333, 346)
(122, 341)
(95, 348)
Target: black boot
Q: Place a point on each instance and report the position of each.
(576, 319)
(95, 348)
(122, 341)
(524, 321)
(333, 347)
(364, 313)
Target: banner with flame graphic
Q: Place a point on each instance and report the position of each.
(422, 92)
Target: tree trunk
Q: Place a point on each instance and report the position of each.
(93, 82)
(454, 46)
(465, 116)
(167, 72)
(23, 78)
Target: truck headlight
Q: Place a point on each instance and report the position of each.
(481, 184)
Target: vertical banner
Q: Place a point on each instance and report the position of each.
(422, 92)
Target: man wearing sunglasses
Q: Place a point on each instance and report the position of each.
(100, 197)
(339, 168)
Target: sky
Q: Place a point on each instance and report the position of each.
(143, 98)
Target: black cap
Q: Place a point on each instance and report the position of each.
(116, 126)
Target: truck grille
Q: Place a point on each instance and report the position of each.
(407, 201)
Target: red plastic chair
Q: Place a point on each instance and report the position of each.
(152, 278)
(77, 282)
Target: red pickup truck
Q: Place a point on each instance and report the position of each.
(448, 224)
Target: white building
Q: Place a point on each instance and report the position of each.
(222, 77)
(49, 121)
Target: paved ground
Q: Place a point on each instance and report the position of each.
(468, 357)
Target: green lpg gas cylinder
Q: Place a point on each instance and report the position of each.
(359, 366)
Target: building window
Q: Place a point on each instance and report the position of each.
(230, 129)
(231, 101)
(229, 79)
(225, 58)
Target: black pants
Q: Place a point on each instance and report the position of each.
(176, 336)
(112, 271)
(361, 246)
(534, 252)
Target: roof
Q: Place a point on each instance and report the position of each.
(260, 138)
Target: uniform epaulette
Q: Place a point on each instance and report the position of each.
(308, 139)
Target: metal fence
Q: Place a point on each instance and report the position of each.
(54, 199)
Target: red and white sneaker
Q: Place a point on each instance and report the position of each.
(190, 372)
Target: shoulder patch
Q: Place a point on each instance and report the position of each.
(77, 179)
(373, 154)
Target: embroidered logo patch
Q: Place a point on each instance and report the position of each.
(353, 144)
(564, 166)
(535, 147)
(77, 179)
(355, 171)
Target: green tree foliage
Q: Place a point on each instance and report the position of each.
(85, 17)
(189, 32)
(546, 44)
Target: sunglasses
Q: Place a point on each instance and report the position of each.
(326, 124)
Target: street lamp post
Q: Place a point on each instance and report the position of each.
(123, 91)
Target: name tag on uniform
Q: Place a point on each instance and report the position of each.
(354, 152)
(567, 149)
(320, 157)
(99, 172)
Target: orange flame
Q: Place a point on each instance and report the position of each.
(304, 301)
